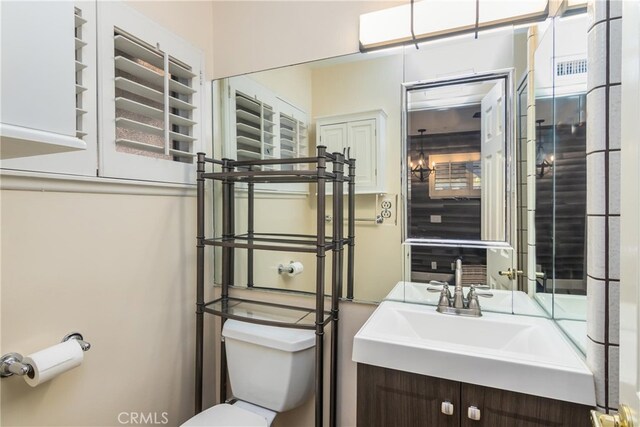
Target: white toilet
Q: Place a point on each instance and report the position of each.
(271, 370)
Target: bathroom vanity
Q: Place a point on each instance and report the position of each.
(420, 367)
(389, 397)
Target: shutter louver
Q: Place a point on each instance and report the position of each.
(293, 138)
(254, 129)
(80, 66)
(153, 101)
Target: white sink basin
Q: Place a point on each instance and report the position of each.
(518, 353)
(503, 301)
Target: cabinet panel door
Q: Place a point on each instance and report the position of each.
(334, 137)
(500, 408)
(362, 141)
(38, 66)
(387, 397)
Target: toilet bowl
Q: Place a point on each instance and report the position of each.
(271, 370)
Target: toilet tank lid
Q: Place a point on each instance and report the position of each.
(285, 339)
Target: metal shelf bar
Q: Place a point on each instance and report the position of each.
(303, 243)
(230, 243)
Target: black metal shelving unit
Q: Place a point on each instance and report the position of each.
(253, 172)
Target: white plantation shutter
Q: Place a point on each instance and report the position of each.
(151, 99)
(455, 175)
(254, 120)
(153, 102)
(81, 54)
(260, 125)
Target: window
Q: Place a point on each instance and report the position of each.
(151, 99)
(455, 175)
(146, 85)
(293, 134)
(255, 128)
(260, 125)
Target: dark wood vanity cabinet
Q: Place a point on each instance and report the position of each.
(390, 398)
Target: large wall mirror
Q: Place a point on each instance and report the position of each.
(459, 142)
(556, 187)
(547, 258)
(481, 177)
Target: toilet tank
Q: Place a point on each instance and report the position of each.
(270, 366)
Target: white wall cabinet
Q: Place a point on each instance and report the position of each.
(38, 79)
(363, 135)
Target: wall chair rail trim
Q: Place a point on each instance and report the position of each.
(47, 182)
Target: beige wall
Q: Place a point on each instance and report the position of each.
(117, 268)
(352, 88)
(257, 35)
(189, 19)
(293, 84)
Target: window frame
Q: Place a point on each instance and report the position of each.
(116, 164)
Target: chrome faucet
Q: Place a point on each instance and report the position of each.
(458, 304)
(458, 296)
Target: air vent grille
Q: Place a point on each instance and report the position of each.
(572, 67)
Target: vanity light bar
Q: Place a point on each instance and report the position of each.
(434, 19)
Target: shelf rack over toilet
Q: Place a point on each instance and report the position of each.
(253, 172)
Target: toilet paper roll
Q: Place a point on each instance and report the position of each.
(295, 268)
(53, 361)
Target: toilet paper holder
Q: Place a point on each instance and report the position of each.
(288, 269)
(11, 363)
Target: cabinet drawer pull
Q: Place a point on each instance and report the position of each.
(446, 408)
(473, 413)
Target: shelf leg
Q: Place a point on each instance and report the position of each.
(199, 283)
(351, 229)
(320, 262)
(250, 230)
(336, 280)
(227, 211)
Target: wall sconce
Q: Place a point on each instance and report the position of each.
(432, 19)
(544, 163)
(421, 170)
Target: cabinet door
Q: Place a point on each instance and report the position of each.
(38, 66)
(334, 137)
(362, 142)
(387, 397)
(500, 408)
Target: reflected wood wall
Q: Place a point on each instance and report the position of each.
(569, 175)
(460, 218)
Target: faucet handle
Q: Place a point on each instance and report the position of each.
(445, 296)
(436, 286)
(473, 294)
(444, 289)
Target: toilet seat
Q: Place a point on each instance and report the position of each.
(225, 415)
